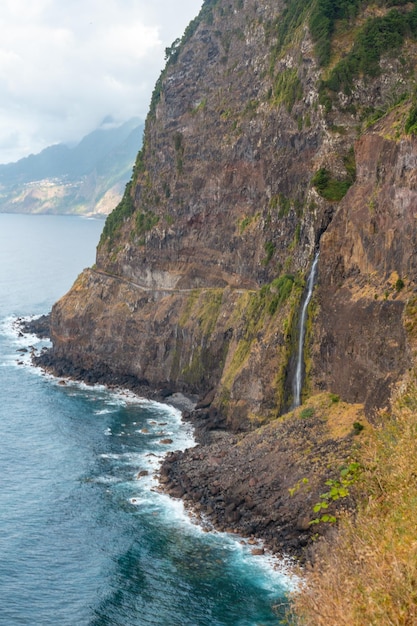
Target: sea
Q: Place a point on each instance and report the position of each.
(86, 536)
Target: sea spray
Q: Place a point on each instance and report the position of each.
(152, 563)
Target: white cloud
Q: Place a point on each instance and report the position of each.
(65, 65)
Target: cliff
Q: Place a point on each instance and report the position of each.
(275, 130)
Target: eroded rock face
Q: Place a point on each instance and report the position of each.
(201, 270)
(367, 258)
(198, 283)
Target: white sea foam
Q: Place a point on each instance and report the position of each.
(145, 488)
(271, 572)
(106, 480)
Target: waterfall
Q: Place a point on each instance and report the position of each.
(297, 383)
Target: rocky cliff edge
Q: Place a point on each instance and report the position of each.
(253, 160)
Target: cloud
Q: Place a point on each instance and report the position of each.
(64, 66)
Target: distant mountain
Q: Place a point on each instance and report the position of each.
(88, 178)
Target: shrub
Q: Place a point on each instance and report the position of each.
(145, 221)
(378, 36)
(399, 284)
(115, 219)
(322, 23)
(330, 188)
(281, 289)
(288, 88)
(269, 250)
(411, 121)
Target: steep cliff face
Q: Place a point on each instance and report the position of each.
(367, 271)
(249, 149)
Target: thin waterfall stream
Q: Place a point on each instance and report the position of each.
(298, 378)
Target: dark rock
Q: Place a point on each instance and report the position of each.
(192, 304)
(39, 326)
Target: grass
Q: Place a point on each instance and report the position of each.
(367, 573)
(331, 188)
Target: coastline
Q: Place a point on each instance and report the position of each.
(237, 483)
(258, 546)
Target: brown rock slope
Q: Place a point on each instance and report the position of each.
(368, 271)
(266, 483)
(246, 162)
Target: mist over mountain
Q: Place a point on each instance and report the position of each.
(87, 178)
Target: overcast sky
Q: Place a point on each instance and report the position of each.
(67, 64)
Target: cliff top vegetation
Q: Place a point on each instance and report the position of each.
(367, 572)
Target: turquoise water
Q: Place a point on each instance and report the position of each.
(84, 539)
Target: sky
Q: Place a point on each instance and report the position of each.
(65, 65)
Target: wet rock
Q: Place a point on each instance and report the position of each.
(39, 327)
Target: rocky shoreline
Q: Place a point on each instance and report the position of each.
(46, 360)
(261, 484)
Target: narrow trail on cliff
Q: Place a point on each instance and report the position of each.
(156, 289)
(298, 377)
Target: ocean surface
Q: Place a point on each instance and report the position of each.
(86, 539)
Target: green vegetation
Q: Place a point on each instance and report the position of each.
(144, 222)
(171, 53)
(300, 483)
(378, 36)
(250, 108)
(282, 28)
(139, 167)
(257, 309)
(339, 489)
(199, 107)
(323, 19)
(269, 251)
(245, 222)
(349, 162)
(287, 88)
(411, 122)
(115, 219)
(282, 203)
(366, 573)
(328, 187)
(332, 188)
(202, 308)
(358, 427)
(179, 150)
(307, 412)
(399, 284)
(156, 93)
(280, 290)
